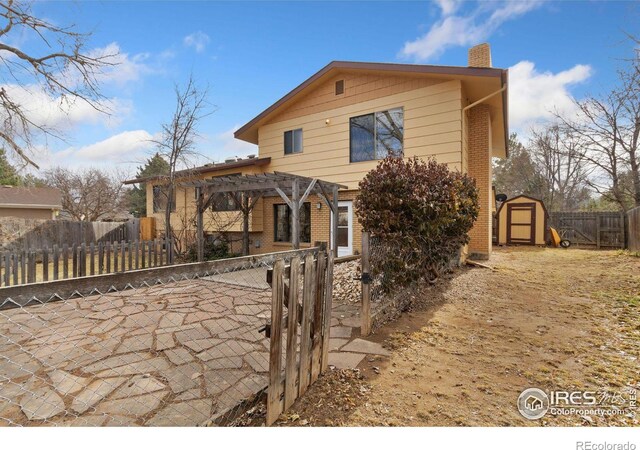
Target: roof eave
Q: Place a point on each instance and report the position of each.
(243, 133)
(206, 169)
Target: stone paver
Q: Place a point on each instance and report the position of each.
(133, 406)
(344, 360)
(138, 385)
(186, 413)
(364, 346)
(41, 404)
(66, 383)
(94, 393)
(175, 354)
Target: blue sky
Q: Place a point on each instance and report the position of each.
(252, 53)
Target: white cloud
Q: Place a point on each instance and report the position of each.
(448, 6)
(464, 30)
(197, 40)
(62, 114)
(226, 145)
(123, 68)
(124, 150)
(118, 148)
(534, 96)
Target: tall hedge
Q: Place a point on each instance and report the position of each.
(421, 211)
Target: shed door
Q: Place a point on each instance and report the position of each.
(521, 223)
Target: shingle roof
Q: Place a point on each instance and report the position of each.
(30, 197)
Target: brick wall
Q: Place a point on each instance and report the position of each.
(479, 141)
(320, 225)
(480, 56)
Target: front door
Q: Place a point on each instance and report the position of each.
(345, 228)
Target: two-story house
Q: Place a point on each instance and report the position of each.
(337, 124)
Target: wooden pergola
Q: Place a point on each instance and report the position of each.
(246, 190)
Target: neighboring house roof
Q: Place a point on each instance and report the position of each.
(249, 132)
(207, 168)
(30, 197)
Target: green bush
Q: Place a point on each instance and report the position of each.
(422, 211)
(213, 249)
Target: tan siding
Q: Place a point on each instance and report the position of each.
(185, 214)
(27, 213)
(431, 121)
(357, 88)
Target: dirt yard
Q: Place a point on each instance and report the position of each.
(552, 319)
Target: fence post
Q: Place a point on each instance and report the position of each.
(45, 263)
(365, 327)
(328, 305)
(274, 390)
(291, 375)
(7, 269)
(598, 232)
(23, 267)
(122, 256)
(92, 261)
(56, 262)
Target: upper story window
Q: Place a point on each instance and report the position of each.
(160, 197)
(376, 135)
(293, 141)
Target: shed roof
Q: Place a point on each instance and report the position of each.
(30, 197)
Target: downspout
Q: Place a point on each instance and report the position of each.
(468, 107)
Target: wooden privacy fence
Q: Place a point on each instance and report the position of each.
(300, 338)
(598, 229)
(48, 233)
(73, 261)
(633, 227)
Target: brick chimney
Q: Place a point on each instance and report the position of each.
(480, 56)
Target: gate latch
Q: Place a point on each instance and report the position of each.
(365, 278)
(266, 329)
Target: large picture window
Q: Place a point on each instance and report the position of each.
(293, 141)
(376, 135)
(160, 198)
(282, 219)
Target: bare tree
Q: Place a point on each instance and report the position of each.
(178, 136)
(607, 131)
(560, 164)
(64, 72)
(88, 194)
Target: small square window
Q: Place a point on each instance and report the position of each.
(339, 87)
(293, 141)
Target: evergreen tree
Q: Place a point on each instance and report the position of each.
(156, 165)
(8, 174)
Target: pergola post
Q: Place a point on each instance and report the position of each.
(295, 211)
(334, 224)
(200, 225)
(245, 224)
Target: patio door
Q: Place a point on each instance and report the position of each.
(345, 228)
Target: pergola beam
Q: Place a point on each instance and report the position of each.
(253, 187)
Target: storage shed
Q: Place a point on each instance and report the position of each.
(522, 220)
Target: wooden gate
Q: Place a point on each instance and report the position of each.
(521, 223)
(299, 338)
(598, 229)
